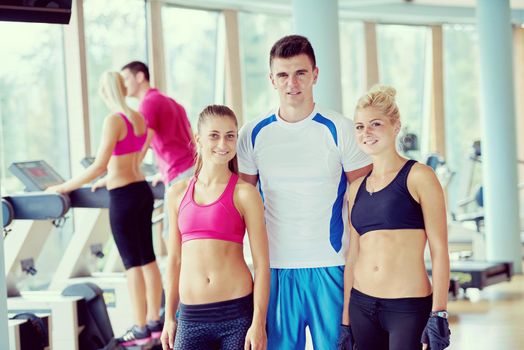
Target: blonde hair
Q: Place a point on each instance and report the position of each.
(113, 92)
(216, 111)
(381, 98)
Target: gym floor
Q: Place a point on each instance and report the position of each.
(492, 319)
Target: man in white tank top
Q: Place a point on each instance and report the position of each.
(302, 157)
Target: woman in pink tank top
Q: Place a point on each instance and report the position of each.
(219, 304)
(130, 207)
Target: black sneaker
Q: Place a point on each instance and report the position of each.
(155, 327)
(135, 336)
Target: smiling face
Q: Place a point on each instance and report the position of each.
(294, 78)
(217, 139)
(375, 132)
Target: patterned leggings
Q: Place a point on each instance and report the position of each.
(220, 326)
(225, 335)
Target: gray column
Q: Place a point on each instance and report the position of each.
(318, 21)
(499, 139)
(3, 290)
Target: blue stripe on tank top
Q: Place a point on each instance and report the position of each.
(329, 124)
(263, 123)
(336, 224)
(260, 189)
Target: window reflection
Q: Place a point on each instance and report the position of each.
(461, 81)
(115, 34)
(33, 122)
(258, 32)
(191, 49)
(402, 64)
(352, 64)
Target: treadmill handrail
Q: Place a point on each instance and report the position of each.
(7, 213)
(83, 197)
(38, 205)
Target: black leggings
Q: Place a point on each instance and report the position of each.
(130, 210)
(388, 324)
(215, 326)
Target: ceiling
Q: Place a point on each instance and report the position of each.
(385, 11)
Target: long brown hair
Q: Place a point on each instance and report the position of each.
(216, 111)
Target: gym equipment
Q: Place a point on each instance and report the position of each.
(34, 216)
(478, 274)
(470, 273)
(28, 331)
(408, 141)
(22, 247)
(441, 169)
(83, 256)
(97, 332)
(34, 213)
(473, 194)
(38, 176)
(7, 213)
(471, 207)
(35, 175)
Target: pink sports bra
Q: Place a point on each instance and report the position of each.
(131, 143)
(217, 220)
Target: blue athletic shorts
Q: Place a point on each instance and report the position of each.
(310, 297)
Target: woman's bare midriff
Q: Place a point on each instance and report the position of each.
(213, 270)
(123, 170)
(390, 264)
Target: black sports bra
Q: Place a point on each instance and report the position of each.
(391, 208)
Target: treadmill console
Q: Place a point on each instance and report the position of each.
(35, 175)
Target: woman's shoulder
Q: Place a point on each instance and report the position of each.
(421, 175)
(421, 170)
(245, 187)
(246, 191)
(114, 117)
(178, 189)
(114, 123)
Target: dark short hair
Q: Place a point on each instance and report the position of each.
(291, 46)
(137, 66)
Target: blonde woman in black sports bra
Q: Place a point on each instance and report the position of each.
(389, 302)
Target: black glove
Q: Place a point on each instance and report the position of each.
(345, 338)
(436, 334)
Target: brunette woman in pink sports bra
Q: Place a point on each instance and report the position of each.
(130, 207)
(208, 280)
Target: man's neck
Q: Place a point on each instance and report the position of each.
(142, 91)
(294, 114)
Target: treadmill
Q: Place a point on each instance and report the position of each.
(38, 176)
(79, 319)
(83, 256)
